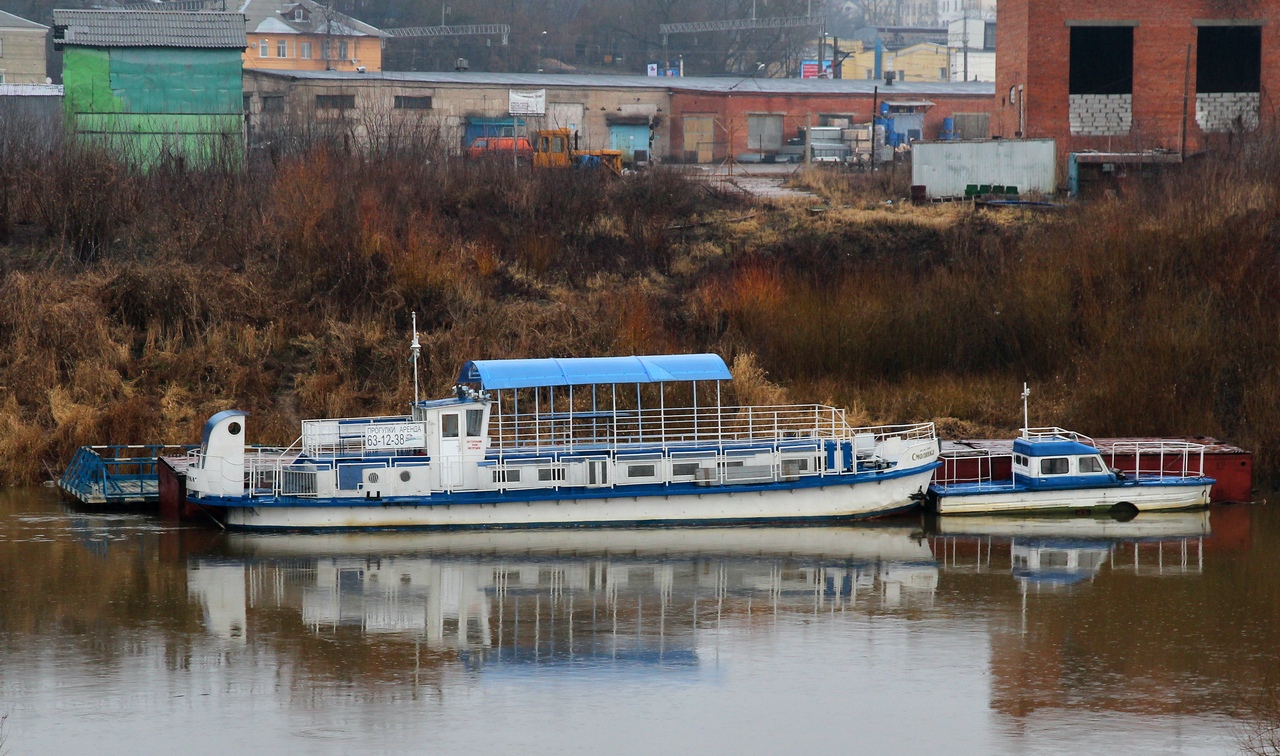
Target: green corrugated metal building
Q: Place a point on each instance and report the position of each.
(154, 83)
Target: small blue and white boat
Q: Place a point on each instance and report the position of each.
(566, 442)
(1060, 470)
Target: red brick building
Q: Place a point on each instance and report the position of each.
(1127, 74)
(714, 118)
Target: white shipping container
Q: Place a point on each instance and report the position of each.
(946, 168)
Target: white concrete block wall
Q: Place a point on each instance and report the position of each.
(1224, 111)
(1101, 115)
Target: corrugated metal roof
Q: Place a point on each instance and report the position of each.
(726, 84)
(10, 21)
(583, 371)
(150, 29)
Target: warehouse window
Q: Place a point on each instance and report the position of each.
(336, 102)
(1101, 60)
(413, 103)
(1229, 59)
(272, 104)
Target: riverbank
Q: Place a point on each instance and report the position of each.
(132, 306)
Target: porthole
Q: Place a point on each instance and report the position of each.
(234, 429)
(404, 475)
(373, 477)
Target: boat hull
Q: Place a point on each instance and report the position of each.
(1163, 496)
(836, 500)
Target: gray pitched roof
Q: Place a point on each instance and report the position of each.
(149, 29)
(10, 21)
(315, 16)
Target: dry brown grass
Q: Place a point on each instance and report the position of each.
(135, 305)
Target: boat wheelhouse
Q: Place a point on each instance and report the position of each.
(1058, 469)
(583, 441)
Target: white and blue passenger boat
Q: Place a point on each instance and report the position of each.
(566, 442)
(1054, 469)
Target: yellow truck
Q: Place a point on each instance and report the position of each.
(558, 148)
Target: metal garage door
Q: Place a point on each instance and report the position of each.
(566, 115)
(630, 138)
(699, 139)
(764, 133)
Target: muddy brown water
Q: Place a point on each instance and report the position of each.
(119, 634)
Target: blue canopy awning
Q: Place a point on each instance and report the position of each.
(581, 371)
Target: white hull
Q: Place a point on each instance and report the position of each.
(1144, 498)
(867, 498)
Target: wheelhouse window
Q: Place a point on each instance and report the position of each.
(475, 418)
(1055, 466)
(1090, 464)
(1020, 460)
(449, 425)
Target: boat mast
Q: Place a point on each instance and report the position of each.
(1026, 422)
(415, 348)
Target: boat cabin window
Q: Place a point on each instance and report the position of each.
(1055, 466)
(1020, 459)
(475, 418)
(1090, 464)
(449, 425)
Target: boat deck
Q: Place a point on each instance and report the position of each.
(1229, 465)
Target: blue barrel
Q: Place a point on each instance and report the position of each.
(948, 128)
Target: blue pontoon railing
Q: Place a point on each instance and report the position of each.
(121, 474)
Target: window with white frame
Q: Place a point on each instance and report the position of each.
(304, 50)
(282, 48)
(342, 49)
(262, 48)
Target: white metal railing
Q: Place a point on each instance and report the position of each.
(982, 460)
(1050, 432)
(614, 429)
(344, 436)
(1156, 460)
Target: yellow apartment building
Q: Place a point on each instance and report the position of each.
(924, 61)
(303, 35)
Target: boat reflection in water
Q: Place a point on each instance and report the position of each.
(1060, 551)
(578, 597)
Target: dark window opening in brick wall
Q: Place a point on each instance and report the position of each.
(1101, 60)
(1229, 59)
(412, 103)
(335, 102)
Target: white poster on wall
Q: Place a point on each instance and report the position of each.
(528, 102)
(653, 69)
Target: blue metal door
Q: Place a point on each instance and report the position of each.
(630, 138)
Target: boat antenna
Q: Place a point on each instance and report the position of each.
(1026, 421)
(416, 349)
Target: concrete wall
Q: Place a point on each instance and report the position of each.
(1033, 55)
(146, 101)
(945, 169)
(451, 106)
(22, 56)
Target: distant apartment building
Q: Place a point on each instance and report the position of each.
(22, 50)
(303, 35)
(922, 61)
(955, 10)
(972, 44)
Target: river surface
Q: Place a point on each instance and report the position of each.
(122, 635)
